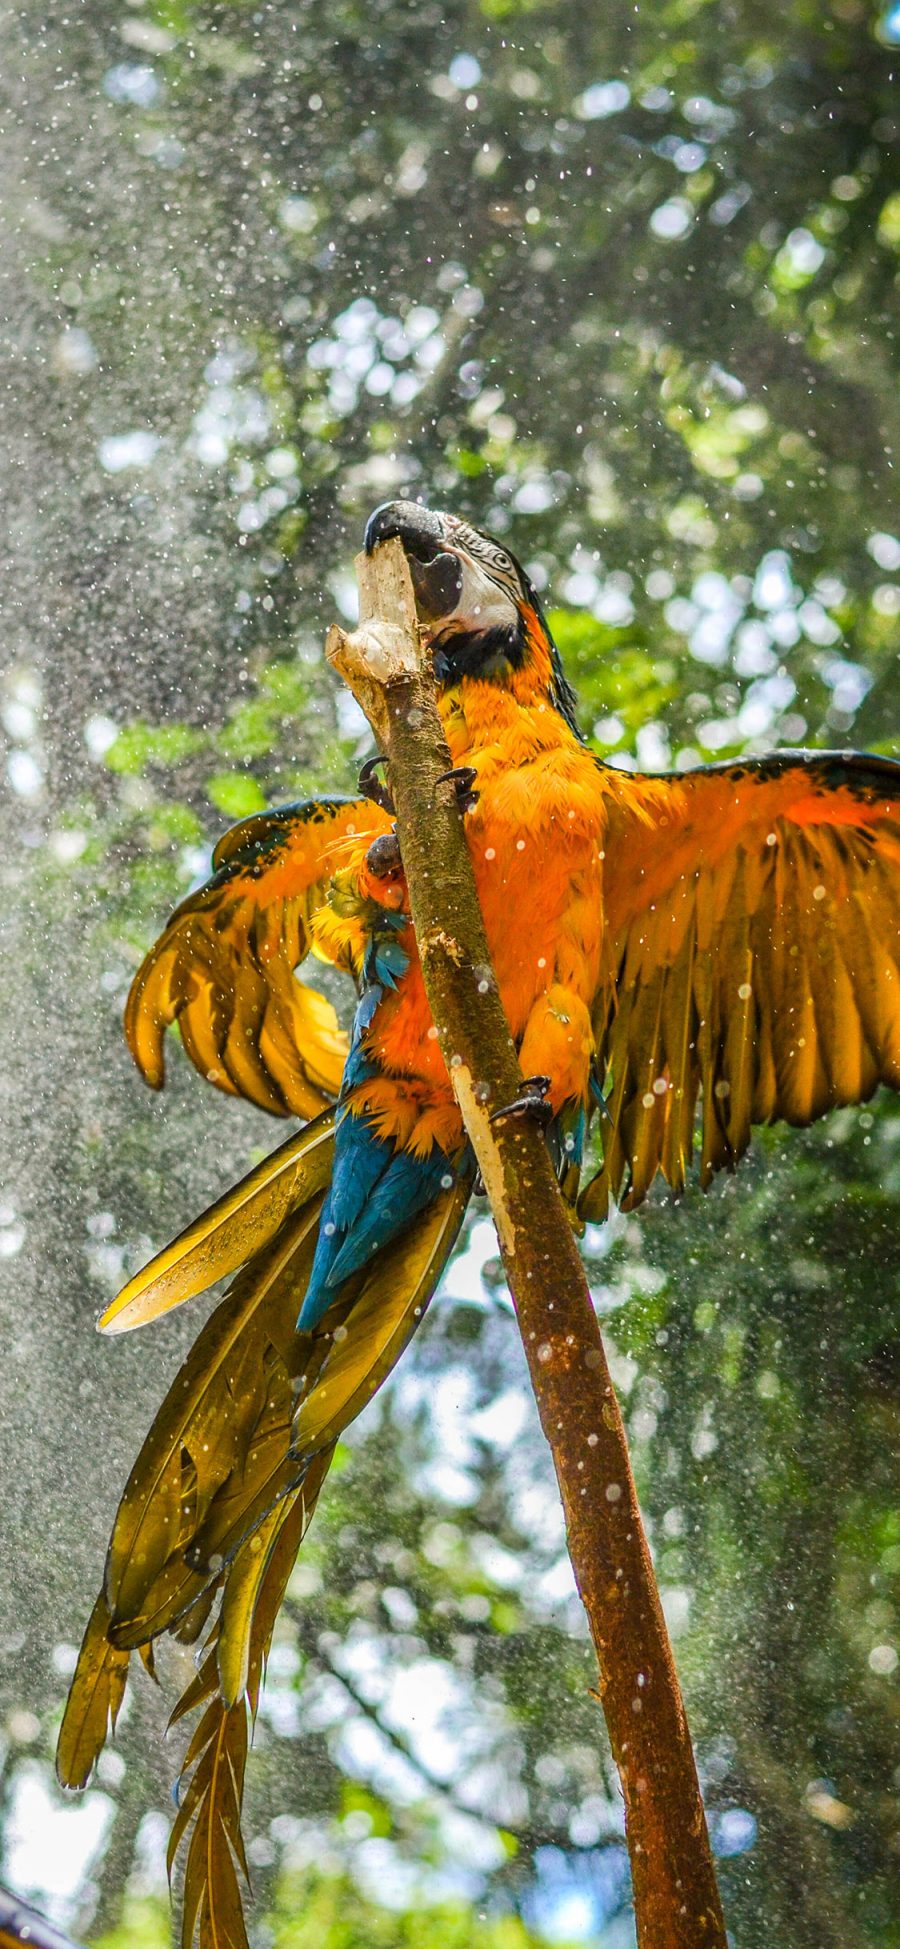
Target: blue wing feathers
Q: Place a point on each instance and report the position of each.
(360, 1160)
(376, 1190)
(407, 1186)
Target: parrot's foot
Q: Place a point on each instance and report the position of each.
(371, 787)
(383, 857)
(532, 1102)
(462, 778)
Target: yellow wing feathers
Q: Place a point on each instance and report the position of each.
(224, 966)
(750, 965)
(752, 958)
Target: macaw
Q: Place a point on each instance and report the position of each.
(23, 1927)
(690, 952)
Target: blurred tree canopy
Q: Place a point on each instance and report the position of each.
(621, 285)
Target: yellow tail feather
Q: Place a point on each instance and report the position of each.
(92, 1707)
(228, 1478)
(230, 1233)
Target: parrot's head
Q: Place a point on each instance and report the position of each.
(482, 613)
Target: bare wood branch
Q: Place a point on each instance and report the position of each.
(676, 1899)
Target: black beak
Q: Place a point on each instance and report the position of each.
(421, 532)
(437, 574)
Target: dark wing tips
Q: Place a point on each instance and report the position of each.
(253, 840)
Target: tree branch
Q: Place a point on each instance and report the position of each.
(676, 1899)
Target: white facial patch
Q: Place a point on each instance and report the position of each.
(483, 604)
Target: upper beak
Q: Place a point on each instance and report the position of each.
(437, 573)
(421, 532)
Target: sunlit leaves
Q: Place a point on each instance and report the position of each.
(140, 747)
(235, 793)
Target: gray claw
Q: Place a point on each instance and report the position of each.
(371, 787)
(462, 778)
(531, 1102)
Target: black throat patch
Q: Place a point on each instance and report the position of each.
(472, 653)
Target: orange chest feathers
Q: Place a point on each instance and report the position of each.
(536, 837)
(536, 840)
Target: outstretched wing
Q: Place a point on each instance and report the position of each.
(224, 967)
(752, 957)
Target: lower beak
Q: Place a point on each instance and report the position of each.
(437, 575)
(437, 585)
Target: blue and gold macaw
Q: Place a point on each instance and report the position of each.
(695, 953)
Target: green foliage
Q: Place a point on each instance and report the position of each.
(144, 746)
(313, 1912)
(144, 1925)
(235, 793)
(329, 1911)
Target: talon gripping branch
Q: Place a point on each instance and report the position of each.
(688, 955)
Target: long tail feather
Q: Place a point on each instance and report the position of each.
(95, 1696)
(337, 1367)
(242, 1587)
(226, 1484)
(231, 1232)
(206, 1425)
(211, 1807)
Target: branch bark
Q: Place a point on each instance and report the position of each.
(676, 1899)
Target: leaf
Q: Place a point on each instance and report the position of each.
(142, 745)
(235, 793)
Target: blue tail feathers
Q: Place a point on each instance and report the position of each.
(375, 1191)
